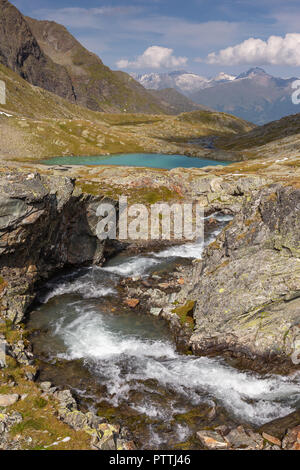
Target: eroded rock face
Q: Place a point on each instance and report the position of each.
(44, 226)
(248, 290)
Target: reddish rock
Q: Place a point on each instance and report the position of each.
(212, 440)
(271, 439)
(164, 285)
(132, 303)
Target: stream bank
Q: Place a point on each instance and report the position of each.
(101, 332)
(39, 211)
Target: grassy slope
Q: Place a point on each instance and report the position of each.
(281, 138)
(45, 125)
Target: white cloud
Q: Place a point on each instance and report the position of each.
(155, 57)
(276, 50)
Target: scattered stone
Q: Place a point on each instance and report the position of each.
(212, 440)
(132, 303)
(7, 421)
(8, 400)
(156, 311)
(12, 384)
(31, 376)
(181, 281)
(106, 437)
(21, 353)
(146, 284)
(121, 444)
(75, 419)
(239, 438)
(45, 386)
(164, 285)
(271, 439)
(291, 441)
(66, 400)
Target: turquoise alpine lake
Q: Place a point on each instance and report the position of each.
(148, 160)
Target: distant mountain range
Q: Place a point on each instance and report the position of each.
(46, 55)
(254, 95)
(184, 82)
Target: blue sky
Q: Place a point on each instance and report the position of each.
(201, 36)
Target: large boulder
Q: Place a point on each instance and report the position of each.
(248, 290)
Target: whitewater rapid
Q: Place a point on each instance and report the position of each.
(137, 363)
(108, 352)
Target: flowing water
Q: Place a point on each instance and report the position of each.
(148, 160)
(125, 364)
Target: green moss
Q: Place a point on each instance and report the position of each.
(107, 412)
(185, 313)
(160, 194)
(192, 416)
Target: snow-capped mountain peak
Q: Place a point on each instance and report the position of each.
(224, 77)
(182, 81)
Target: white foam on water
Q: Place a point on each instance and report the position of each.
(88, 337)
(222, 217)
(135, 266)
(123, 363)
(188, 250)
(193, 250)
(87, 286)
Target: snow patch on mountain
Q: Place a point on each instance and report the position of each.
(182, 81)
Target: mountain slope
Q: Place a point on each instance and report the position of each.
(47, 55)
(176, 101)
(255, 96)
(278, 138)
(35, 124)
(95, 85)
(20, 52)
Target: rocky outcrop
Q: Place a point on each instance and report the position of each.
(20, 51)
(217, 193)
(104, 436)
(7, 421)
(45, 225)
(248, 289)
(242, 438)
